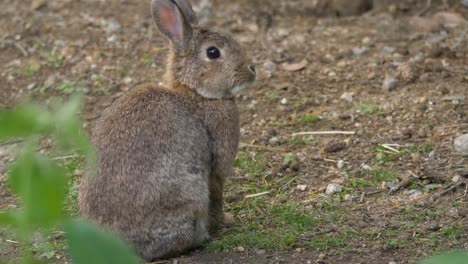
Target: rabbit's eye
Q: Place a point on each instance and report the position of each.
(213, 53)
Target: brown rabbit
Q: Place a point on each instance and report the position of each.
(163, 152)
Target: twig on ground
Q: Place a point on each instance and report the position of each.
(389, 147)
(404, 182)
(256, 195)
(16, 45)
(448, 189)
(65, 157)
(363, 196)
(244, 145)
(324, 133)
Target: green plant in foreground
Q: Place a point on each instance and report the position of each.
(42, 185)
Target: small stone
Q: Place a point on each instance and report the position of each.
(416, 157)
(31, 86)
(127, 80)
(423, 100)
(390, 83)
(284, 101)
(340, 164)
(273, 140)
(388, 50)
(112, 38)
(298, 250)
(295, 166)
(413, 194)
(347, 96)
(301, 187)
(333, 188)
(461, 144)
(37, 4)
(77, 172)
(366, 167)
(348, 197)
(359, 52)
(456, 178)
(50, 81)
(322, 255)
(269, 67)
(113, 27)
(334, 146)
(240, 249)
(229, 219)
(272, 132)
(407, 72)
(301, 156)
(260, 252)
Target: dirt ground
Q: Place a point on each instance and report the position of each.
(395, 78)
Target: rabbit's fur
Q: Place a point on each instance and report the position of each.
(163, 152)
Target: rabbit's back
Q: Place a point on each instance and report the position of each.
(153, 163)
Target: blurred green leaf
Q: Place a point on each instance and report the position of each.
(90, 245)
(42, 187)
(7, 219)
(457, 257)
(69, 131)
(25, 120)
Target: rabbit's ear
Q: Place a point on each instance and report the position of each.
(186, 9)
(174, 21)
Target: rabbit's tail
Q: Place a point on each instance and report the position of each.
(171, 237)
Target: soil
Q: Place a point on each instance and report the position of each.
(315, 73)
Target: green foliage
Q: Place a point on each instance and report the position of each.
(289, 159)
(457, 257)
(55, 60)
(252, 165)
(105, 248)
(42, 186)
(72, 87)
(32, 70)
(288, 223)
(308, 118)
(368, 109)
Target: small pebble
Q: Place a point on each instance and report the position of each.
(127, 80)
(347, 96)
(340, 164)
(359, 52)
(456, 178)
(413, 194)
(284, 101)
(301, 187)
(366, 167)
(461, 144)
(334, 146)
(388, 50)
(240, 249)
(273, 140)
(390, 83)
(334, 188)
(322, 255)
(260, 252)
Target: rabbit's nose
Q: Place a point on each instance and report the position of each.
(252, 68)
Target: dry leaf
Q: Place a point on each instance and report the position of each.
(292, 67)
